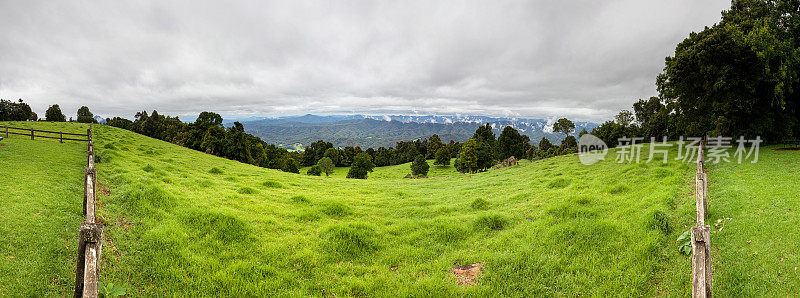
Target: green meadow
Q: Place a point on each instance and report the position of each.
(180, 222)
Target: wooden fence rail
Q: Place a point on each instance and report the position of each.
(90, 233)
(32, 133)
(701, 233)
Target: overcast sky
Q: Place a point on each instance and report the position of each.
(581, 59)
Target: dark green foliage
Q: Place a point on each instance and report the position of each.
(545, 144)
(511, 143)
(658, 220)
(314, 170)
(442, 157)
(480, 204)
(54, 114)
(362, 165)
(564, 126)
(215, 171)
(350, 240)
(326, 165)
(474, 156)
(685, 243)
(16, 111)
(85, 116)
(491, 222)
(740, 76)
(290, 166)
(420, 166)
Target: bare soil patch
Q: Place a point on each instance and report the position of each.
(467, 275)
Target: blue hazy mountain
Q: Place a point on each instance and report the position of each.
(296, 132)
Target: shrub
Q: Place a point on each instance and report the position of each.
(215, 171)
(315, 170)
(420, 166)
(491, 221)
(480, 204)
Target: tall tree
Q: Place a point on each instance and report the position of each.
(420, 166)
(511, 143)
(85, 116)
(624, 118)
(564, 126)
(53, 114)
(475, 156)
(442, 157)
(326, 165)
(361, 166)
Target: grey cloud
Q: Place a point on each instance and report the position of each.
(582, 59)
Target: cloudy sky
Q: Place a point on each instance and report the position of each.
(581, 59)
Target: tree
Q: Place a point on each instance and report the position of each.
(564, 126)
(290, 166)
(583, 132)
(420, 167)
(740, 76)
(332, 154)
(85, 116)
(545, 144)
(474, 156)
(361, 166)
(442, 157)
(53, 114)
(433, 145)
(326, 165)
(624, 118)
(511, 143)
(314, 171)
(207, 119)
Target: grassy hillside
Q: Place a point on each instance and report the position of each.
(183, 222)
(399, 171)
(41, 195)
(754, 210)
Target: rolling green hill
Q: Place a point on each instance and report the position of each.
(181, 222)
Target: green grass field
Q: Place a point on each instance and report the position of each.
(42, 196)
(181, 222)
(754, 211)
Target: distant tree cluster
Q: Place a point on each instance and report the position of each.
(16, 111)
(207, 134)
(404, 152)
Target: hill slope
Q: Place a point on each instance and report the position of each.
(184, 222)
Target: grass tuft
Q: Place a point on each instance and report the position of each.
(247, 191)
(215, 171)
(480, 204)
(658, 220)
(491, 222)
(272, 184)
(336, 209)
(300, 199)
(350, 240)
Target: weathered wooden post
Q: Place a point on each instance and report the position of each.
(701, 262)
(6, 131)
(87, 269)
(31, 134)
(700, 194)
(61, 136)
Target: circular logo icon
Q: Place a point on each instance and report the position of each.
(591, 149)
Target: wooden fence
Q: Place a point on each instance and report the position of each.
(31, 132)
(701, 234)
(90, 233)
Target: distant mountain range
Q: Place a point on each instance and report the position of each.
(296, 132)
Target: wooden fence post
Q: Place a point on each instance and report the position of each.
(6, 131)
(700, 194)
(61, 136)
(87, 269)
(31, 134)
(701, 262)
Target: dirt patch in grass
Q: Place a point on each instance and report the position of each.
(467, 275)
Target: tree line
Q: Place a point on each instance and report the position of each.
(21, 111)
